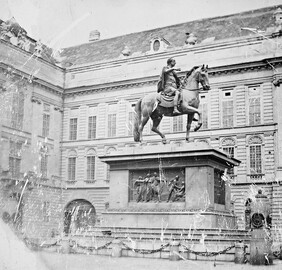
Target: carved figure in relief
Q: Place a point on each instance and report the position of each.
(180, 193)
(157, 187)
(172, 187)
(139, 184)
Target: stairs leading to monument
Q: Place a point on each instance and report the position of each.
(150, 239)
(207, 235)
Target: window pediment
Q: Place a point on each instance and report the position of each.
(158, 44)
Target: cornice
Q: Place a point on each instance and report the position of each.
(23, 76)
(29, 54)
(39, 98)
(266, 64)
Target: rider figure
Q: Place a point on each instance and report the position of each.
(170, 82)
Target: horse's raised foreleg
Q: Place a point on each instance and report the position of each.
(191, 110)
(188, 126)
(156, 122)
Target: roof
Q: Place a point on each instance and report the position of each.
(217, 28)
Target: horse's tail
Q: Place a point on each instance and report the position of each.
(137, 121)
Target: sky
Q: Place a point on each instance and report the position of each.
(64, 23)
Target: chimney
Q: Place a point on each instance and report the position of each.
(94, 36)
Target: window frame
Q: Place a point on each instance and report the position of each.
(45, 124)
(15, 158)
(72, 169)
(255, 140)
(91, 168)
(92, 127)
(112, 125)
(256, 96)
(225, 98)
(72, 131)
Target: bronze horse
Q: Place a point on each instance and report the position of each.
(148, 106)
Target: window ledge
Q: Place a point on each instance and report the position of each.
(90, 181)
(71, 182)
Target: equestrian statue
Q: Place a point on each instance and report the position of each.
(174, 97)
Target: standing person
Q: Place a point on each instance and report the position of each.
(170, 82)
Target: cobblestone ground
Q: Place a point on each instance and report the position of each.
(57, 261)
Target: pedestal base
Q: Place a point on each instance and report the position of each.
(182, 219)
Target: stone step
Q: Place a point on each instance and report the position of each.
(159, 231)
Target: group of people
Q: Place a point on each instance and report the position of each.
(150, 188)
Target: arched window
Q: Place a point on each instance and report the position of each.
(156, 45)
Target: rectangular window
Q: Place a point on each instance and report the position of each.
(112, 125)
(15, 159)
(46, 124)
(177, 123)
(71, 168)
(204, 110)
(14, 167)
(73, 129)
(254, 111)
(44, 166)
(227, 113)
(130, 123)
(229, 150)
(91, 168)
(255, 159)
(46, 211)
(17, 112)
(91, 127)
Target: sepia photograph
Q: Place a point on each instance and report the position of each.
(140, 134)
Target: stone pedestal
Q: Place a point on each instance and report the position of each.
(260, 248)
(116, 248)
(204, 204)
(174, 251)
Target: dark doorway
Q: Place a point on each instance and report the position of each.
(79, 216)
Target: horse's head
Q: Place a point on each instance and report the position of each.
(202, 77)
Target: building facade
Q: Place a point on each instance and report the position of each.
(59, 118)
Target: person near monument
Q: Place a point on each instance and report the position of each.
(169, 82)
